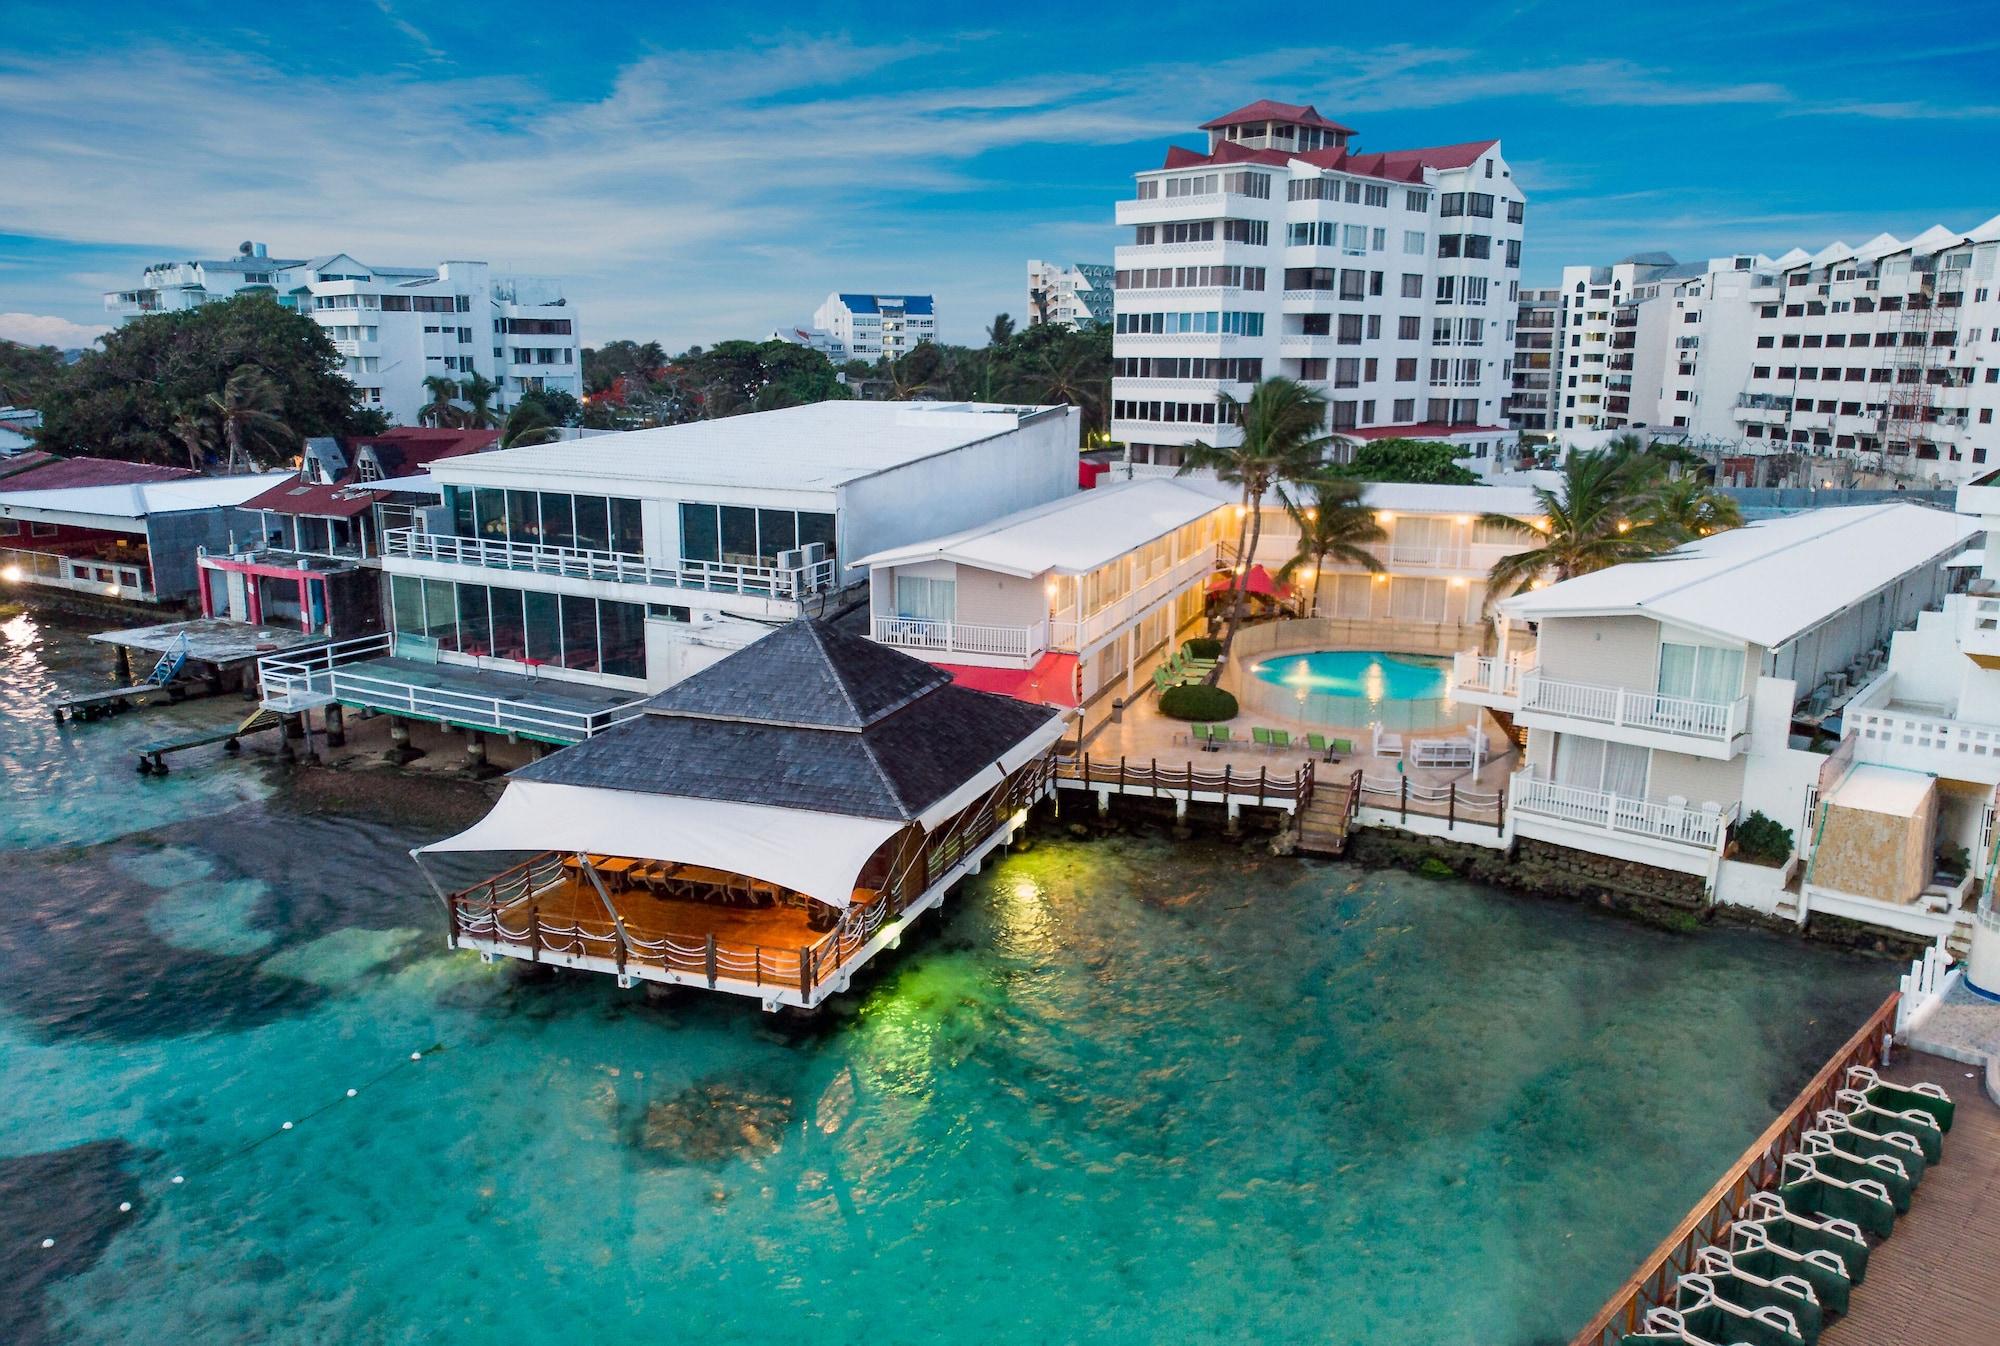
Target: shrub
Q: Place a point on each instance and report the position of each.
(1434, 868)
(1197, 701)
(1203, 647)
(1763, 841)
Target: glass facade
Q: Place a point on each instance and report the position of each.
(558, 630)
(547, 518)
(741, 535)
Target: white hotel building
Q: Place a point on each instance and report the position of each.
(1883, 354)
(870, 326)
(1388, 279)
(394, 326)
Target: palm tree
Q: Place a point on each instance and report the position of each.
(1595, 520)
(1063, 375)
(529, 424)
(1331, 521)
(1002, 330)
(1687, 508)
(479, 392)
(251, 412)
(195, 432)
(443, 409)
(1282, 439)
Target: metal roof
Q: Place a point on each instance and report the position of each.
(1765, 583)
(1072, 535)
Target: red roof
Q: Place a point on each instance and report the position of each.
(405, 451)
(407, 447)
(1422, 430)
(39, 471)
(1264, 110)
(1051, 682)
(313, 500)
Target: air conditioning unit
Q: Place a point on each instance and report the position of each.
(814, 553)
(794, 559)
(435, 520)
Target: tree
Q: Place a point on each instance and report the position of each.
(1280, 440)
(1595, 520)
(529, 423)
(1001, 331)
(1331, 521)
(479, 392)
(122, 401)
(443, 409)
(250, 411)
(26, 372)
(1415, 460)
(558, 405)
(1686, 508)
(196, 432)
(918, 371)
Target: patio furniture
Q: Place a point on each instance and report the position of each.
(1443, 752)
(1922, 1097)
(1218, 736)
(1278, 739)
(1387, 745)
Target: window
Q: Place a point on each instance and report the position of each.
(1451, 203)
(1416, 200)
(1700, 672)
(1413, 286)
(926, 600)
(1410, 328)
(1480, 204)
(1594, 764)
(1406, 370)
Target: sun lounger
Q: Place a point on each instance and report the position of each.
(1898, 1145)
(1218, 736)
(1916, 1123)
(1731, 1281)
(1754, 1252)
(1795, 1231)
(1718, 1319)
(1834, 1162)
(1387, 745)
(1279, 739)
(1923, 1097)
(1865, 1202)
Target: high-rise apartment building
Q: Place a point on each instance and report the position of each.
(1531, 398)
(1388, 279)
(1883, 354)
(868, 326)
(394, 326)
(1071, 295)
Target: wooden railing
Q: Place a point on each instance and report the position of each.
(1759, 1168)
(1259, 786)
(1451, 801)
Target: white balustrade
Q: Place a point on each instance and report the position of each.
(1628, 708)
(917, 633)
(619, 567)
(1604, 811)
(81, 574)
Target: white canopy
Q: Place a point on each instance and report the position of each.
(818, 854)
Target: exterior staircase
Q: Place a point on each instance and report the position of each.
(1514, 732)
(1323, 822)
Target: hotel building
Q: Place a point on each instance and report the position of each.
(1531, 385)
(1069, 295)
(1388, 279)
(394, 326)
(870, 326)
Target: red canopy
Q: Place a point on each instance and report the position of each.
(1051, 682)
(1258, 582)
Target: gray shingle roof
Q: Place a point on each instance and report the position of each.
(807, 718)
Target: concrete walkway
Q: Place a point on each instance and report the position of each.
(1966, 1029)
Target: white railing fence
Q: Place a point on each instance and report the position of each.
(1500, 675)
(80, 573)
(1929, 980)
(1625, 707)
(618, 567)
(1705, 827)
(919, 633)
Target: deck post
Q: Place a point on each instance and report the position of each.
(805, 972)
(707, 960)
(1405, 806)
(336, 725)
(401, 751)
(1451, 808)
(535, 932)
(1103, 803)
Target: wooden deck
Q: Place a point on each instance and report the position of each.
(1933, 1282)
(653, 917)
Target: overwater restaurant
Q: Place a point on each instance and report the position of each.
(764, 827)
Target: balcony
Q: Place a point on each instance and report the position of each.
(77, 574)
(1626, 715)
(941, 637)
(775, 582)
(1076, 636)
(1159, 208)
(1922, 736)
(1700, 829)
(1488, 679)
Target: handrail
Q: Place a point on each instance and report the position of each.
(1629, 707)
(1759, 1167)
(602, 564)
(62, 571)
(1294, 787)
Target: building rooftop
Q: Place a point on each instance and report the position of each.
(1765, 583)
(810, 448)
(1073, 535)
(1405, 166)
(1399, 497)
(1264, 110)
(38, 470)
(139, 500)
(919, 304)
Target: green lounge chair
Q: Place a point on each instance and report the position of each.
(1280, 739)
(1868, 1205)
(1821, 1270)
(1317, 743)
(1722, 1277)
(1927, 1098)
(1898, 1145)
(1343, 747)
(1917, 1124)
(1718, 1322)
(1261, 736)
(1799, 1232)
(1218, 735)
(1834, 1162)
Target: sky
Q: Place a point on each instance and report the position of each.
(695, 172)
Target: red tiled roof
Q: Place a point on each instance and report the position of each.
(1421, 430)
(47, 472)
(1392, 165)
(1051, 682)
(407, 447)
(1264, 110)
(313, 500)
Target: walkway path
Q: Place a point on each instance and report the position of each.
(1932, 1282)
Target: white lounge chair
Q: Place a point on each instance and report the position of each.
(1385, 745)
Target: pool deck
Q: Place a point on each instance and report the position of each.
(1932, 1282)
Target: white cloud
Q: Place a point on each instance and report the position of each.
(38, 329)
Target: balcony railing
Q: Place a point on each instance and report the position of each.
(939, 637)
(1701, 828)
(1472, 671)
(1627, 708)
(80, 574)
(1073, 635)
(618, 567)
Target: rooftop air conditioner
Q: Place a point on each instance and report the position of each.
(814, 553)
(793, 559)
(435, 520)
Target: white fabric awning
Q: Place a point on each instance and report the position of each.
(818, 854)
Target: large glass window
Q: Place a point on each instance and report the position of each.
(489, 506)
(623, 628)
(1700, 672)
(510, 631)
(440, 614)
(701, 539)
(524, 517)
(777, 530)
(475, 626)
(739, 535)
(926, 600)
(558, 520)
(406, 603)
(579, 630)
(460, 500)
(544, 623)
(628, 531)
(593, 523)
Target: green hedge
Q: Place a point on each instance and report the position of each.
(1203, 647)
(1762, 840)
(1197, 701)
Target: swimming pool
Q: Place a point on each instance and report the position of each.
(1356, 688)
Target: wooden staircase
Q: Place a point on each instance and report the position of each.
(1514, 732)
(1323, 822)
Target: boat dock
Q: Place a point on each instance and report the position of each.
(175, 660)
(152, 756)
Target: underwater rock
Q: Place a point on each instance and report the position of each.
(717, 1120)
(72, 1197)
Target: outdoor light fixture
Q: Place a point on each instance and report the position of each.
(111, 590)
(1384, 516)
(12, 574)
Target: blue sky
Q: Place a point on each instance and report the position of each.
(702, 171)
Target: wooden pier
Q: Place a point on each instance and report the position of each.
(1327, 820)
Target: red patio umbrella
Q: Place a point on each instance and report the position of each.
(1258, 582)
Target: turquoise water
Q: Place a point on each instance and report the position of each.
(1357, 688)
(1123, 1090)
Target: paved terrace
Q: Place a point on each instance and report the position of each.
(1932, 1283)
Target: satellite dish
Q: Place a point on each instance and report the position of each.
(245, 248)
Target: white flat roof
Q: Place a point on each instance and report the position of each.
(1073, 535)
(1883, 789)
(136, 500)
(1397, 497)
(1764, 583)
(814, 447)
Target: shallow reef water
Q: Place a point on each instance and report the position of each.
(1124, 1089)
